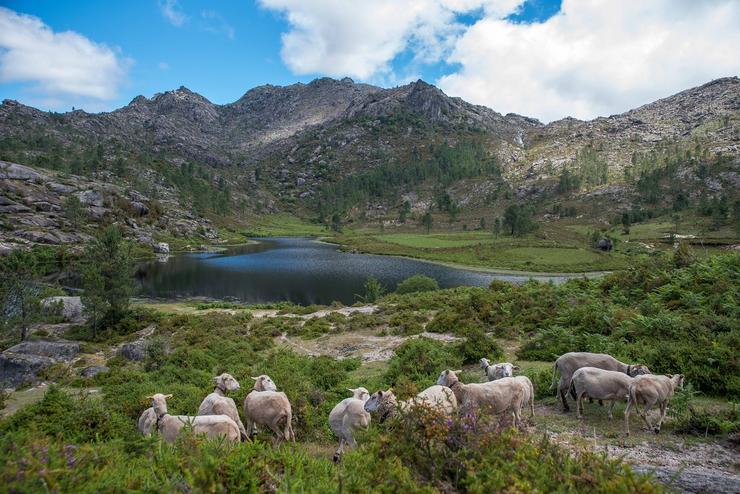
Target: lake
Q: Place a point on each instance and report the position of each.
(299, 270)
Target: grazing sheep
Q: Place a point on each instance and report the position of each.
(435, 397)
(217, 403)
(348, 416)
(528, 398)
(502, 395)
(170, 426)
(599, 384)
(497, 371)
(650, 390)
(147, 421)
(266, 406)
(568, 363)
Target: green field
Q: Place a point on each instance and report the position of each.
(437, 241)
(283, 225)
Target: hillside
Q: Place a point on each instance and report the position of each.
(362, 153)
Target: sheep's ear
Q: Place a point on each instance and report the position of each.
(166, 397)
(150, 397)
(669, 376)
(457, 371)
(351, 390)
(516, 367)
(255, 378)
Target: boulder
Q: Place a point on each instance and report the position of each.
(14, 171)
(71, 307)
(140, 208)
(91, 198)
(93, 370)
(161, 248)
(605, 244)
(57, 350)
(136, 350)
(60, 188)
(22, 363)
(17, 369)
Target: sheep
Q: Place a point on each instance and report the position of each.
(266, 406)
(650, 390)
(170, 426)
(568, 363)
(599, 384)
(147, 421)
(217, 403)
(497, 371)
(439, 398)
(348, 416)
(506, 369)
(506, 394)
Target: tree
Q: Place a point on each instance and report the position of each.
(373, 291)
(336, 223)
(107, 271)
(626, 222)
(482, 224)
(518, 219)
(19, 291)
(427, 220)
(417, 283)
(497, 227)
(405, 210)
(74, 210)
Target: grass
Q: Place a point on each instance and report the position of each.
(283, 225)
(481, 249)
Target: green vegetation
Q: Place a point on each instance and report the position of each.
(373, 291)
(417, 283)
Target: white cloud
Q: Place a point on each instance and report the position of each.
(172, 12)
(595, 57)
(59, 66)
(360, 39)
(215, 23)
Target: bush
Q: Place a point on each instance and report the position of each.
(407, 322)
(419, 361)
(476, 345)
(417, 283)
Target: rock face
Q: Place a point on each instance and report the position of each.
(22, 363)
(71, 307)
(135, 350)
(93, 370)
(162, 248)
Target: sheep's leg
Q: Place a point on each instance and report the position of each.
(611, 407)
(563, 392)
(250, 428)
(278, 432)
(644, 413)
(663, 409)
(579, 405)
(627, 417)
(531, 405)
(601, 403)
(339, 451)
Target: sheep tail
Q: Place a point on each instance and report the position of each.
(572, 389)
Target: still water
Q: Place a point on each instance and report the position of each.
(300, 270)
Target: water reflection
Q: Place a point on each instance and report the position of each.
(300, 270)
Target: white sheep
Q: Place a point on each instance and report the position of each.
(650, 390)
(266, 406)
(348, 416)
(599, 384)
(436, 397)
(147, 422)
(170, 426)
(502, 395)
(497, 371)
(217, 403)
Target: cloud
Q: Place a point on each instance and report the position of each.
(596, 57)
(172, 11)
(59, 66)
(361, 39)
(163, 66)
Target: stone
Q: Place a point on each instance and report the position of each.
(14, 171)
(161, 248)
(57, 350)
(135, 350)
(605, 244)
(140, 208)
(58, 188)
(71, 307)
(17, 369)
(91, 198)
(94, 370)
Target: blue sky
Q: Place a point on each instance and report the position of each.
(493, 52)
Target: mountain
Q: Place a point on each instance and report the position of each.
(360, 150)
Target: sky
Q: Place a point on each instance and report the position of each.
(546, 59)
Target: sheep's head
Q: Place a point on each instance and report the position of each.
(504, 370)
(382, 402)
(359, 393)
(264, 383)
(638, 370)
(677, 380)
(159, 403)
(484, 363)
(448, 378)
(226, 382)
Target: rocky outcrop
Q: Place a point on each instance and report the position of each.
(93, 370)
(21, 364)
(135, 350)
(70, 308)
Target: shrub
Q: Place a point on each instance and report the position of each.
(419, 361)
(407, 322)
(417, 283)
(476, 345)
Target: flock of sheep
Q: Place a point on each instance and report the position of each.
(595, 376)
